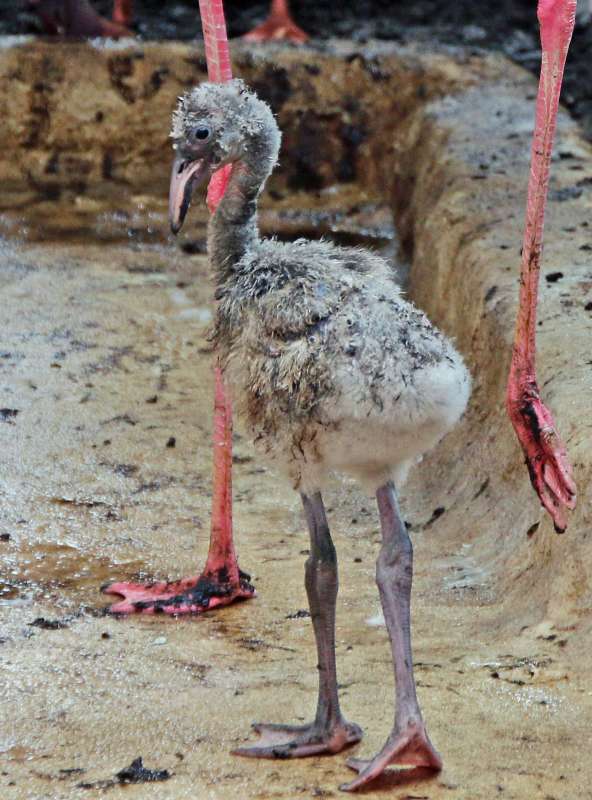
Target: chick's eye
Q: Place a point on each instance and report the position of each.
(202, 133)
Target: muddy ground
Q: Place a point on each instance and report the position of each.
(105, 433)
(113, 367)
(508, 26)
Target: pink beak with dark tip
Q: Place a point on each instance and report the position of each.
(185, 176)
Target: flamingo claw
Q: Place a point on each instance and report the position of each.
(545, 455)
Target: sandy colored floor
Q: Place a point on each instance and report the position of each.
(105, 358)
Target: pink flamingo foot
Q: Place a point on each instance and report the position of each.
(186, 596)
(278, 26)
(300, 741)
(546, 458)
(222, 582)
(409, 748)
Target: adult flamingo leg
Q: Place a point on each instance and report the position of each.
(221, 582)
(123, 12)
(278, 25)
(545, 454)
(77, 18)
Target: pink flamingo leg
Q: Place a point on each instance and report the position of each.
(123, 12)
(546, 457)
(222, 582)
(278, 25)
(221, 554)
(77, 18)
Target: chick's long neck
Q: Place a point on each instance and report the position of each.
(233, 228)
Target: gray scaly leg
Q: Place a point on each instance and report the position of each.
(408, 742)
(329, 733)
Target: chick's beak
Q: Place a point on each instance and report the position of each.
(185, 176)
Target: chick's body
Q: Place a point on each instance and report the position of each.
(332, 370)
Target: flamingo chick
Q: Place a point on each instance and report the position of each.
(331, 371)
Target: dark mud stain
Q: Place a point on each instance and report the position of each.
(66, 501)
(553, 277)
(306, 156)
(481, 489)
(9, 591)
(120, 418)
(61, 775)
(198, 671)
(236, 459)
(43, 566)
(107, 166)
(155, 485)
(113, 361)
(48, 624)
(157, 79)
(300, 614)
(352, 134)
(127, 470)
(120, 68)
(436, 514)
(258, 644)
(195, 247)
(40, 103)
(70, 771)
(274, 87)
(135, 773)
(568, 193)
(138, 773)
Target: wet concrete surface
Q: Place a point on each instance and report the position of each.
(105, 360)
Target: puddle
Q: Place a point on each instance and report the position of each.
(13, 594)
(17, 753)
(145, 224)
(41, 570)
